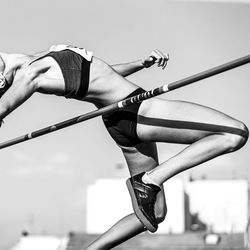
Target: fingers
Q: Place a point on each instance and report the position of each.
(160, 58)
(166, 61)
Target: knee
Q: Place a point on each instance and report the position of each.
(237, 141)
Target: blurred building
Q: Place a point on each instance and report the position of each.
(40, 242)
(108, 201)
(215, 205)
(201, 214)
(221, 204)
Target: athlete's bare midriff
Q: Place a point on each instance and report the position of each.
(105, 85)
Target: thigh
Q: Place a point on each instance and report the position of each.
(181, 122)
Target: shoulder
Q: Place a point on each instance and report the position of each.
(9, 63)
(2, 65)
(2, 62)
(14, 61)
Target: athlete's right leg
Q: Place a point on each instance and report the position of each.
(208, 133)
(139, 159)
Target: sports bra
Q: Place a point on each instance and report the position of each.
(74, 63)
(81, 51)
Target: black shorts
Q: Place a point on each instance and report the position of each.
(122, 123)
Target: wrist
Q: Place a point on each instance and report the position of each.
(148, 62)
(144, 64)
(1, 123)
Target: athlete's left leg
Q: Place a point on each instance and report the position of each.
(124, 229)
(141, 158)
(208, 132)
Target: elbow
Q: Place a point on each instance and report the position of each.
(30, 78)
(30, 74)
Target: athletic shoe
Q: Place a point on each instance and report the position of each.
(143, 198)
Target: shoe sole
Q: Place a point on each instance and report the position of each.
(137, 210)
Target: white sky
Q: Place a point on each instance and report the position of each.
(42, 181)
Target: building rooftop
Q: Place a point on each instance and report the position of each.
(147, 241)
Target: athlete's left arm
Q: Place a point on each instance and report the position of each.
(23, 86)
(155, 57)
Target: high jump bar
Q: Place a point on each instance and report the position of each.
(130, 101)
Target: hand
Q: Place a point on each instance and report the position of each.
(158, 57)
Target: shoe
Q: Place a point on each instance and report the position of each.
(143, 198)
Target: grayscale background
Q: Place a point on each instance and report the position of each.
(43, 182)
